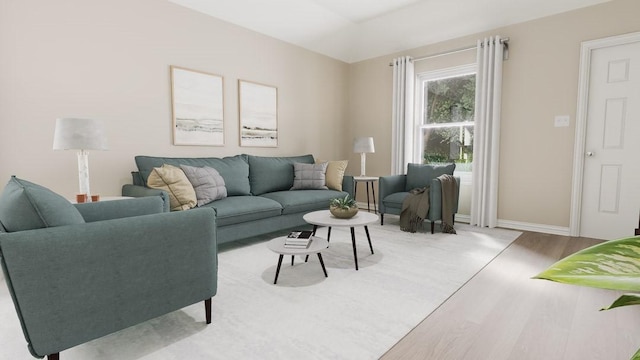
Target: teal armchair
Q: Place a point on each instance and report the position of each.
(393, 189)
(80, 272)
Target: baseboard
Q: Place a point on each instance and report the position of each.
(541, 228)
(514, 225)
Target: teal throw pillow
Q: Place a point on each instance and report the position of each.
(25, 206)
(420, 175)
(309, 176)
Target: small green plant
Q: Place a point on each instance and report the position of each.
(613, 265)
(343, 203)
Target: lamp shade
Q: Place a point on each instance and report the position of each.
(79, 134)
(363, 145)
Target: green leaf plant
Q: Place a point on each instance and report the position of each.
(613, 265)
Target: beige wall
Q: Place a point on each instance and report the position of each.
(110, 60)
(540, 81)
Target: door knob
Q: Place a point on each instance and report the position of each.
(590, 153)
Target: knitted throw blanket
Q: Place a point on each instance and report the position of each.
(449, 200)
(414, 209)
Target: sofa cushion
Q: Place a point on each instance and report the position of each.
(233, 169)
(207, 183)
(25, 206)
(268, 174)
(335, 173)
(420, 175)
(173, 180)
(239, 209)
(309, 176)
(395, 200)
(304, 200)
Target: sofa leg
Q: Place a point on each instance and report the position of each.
(432, 226)
(55, 356)
(381, 219)
(207, 310)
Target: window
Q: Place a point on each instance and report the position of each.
(445, 117)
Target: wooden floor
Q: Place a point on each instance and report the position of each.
(502, 313)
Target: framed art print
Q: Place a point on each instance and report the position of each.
(197, 103)
(258, 108)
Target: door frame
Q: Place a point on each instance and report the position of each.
(586, 50)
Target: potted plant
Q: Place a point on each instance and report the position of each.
(613, 265)
(343, 208)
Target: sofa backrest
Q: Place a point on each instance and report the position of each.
(233, 169)
(268, 174)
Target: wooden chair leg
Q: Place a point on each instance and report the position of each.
(207, 311)
(55, 356)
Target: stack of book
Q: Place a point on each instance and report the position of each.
(298, 240)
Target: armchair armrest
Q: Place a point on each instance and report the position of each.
(72, 284)
(347, 184)
(388, 185)
(116, 209)
(142, 191)
(435, 199)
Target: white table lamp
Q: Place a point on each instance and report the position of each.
(363, 145)
(81, 135)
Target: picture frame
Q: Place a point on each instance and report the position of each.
(258, 112)
(197, 107)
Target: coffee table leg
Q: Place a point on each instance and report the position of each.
(353, 242)
(292, 257)
(315, 227)
(329, 234)
(322, 264)
(366, 229)
(278, 269)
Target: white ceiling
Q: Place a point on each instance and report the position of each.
(354, 30)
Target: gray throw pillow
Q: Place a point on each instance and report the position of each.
(309, 176)
(420, 175)
(25, 206)
(207, 183)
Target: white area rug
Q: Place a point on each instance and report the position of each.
(349, 315)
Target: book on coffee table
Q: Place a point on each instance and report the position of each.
(298, 243)
(300, 234)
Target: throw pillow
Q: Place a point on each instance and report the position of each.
(207, 183)
(420, 175)
(173, 180)
(335, 173)
(309, 176)
(25, 206)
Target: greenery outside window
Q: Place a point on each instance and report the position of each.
(445, 117)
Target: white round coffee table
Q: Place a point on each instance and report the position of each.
(317, 245)
(324, 218)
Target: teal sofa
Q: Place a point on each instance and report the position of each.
(80, 272)
(259, 198)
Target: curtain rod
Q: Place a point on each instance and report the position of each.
(504, 41)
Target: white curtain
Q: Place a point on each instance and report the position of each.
(486, 147)
(402, 117)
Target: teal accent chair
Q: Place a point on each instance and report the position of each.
(393, 189)
(80, 272)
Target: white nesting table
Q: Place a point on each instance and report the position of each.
(324, 218)
(317, 245)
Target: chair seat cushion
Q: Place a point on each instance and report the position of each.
(239, 209)
(395, 200)
(25, 206)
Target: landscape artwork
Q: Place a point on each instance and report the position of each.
(197, 108)
(258, 114)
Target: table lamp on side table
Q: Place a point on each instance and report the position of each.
(81, 135)
(363, 145)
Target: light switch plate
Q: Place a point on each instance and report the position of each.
(562, 120)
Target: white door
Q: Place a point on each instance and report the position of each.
(611, 177)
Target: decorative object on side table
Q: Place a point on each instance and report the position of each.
(363, 145)
(81, 135)
(343, 208)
